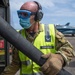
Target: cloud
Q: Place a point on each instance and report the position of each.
(73, 5)
(51, 8)
(46, 4)
(62, 13)
(55, 7)
(15, 4)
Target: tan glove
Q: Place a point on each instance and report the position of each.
(53, 64)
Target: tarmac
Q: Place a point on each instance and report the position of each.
(71, 67)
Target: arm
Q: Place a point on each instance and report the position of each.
(64, 54)
(64, 47)
(14, 66)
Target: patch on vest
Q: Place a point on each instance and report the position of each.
(48, 38)
(46, 47)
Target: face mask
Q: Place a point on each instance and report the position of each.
(25, 23)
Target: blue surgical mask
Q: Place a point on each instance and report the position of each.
(25, 23)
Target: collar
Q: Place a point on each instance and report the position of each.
(30, 37)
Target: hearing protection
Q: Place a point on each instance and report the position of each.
(39, 13)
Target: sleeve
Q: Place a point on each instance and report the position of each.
(64, 47)
(14, 65)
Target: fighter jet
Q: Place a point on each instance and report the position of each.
(66, 29)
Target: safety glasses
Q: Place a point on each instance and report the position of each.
(24, 14)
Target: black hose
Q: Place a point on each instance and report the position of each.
(12, 36)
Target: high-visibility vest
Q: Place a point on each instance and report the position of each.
(45, 42)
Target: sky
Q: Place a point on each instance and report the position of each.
(55, 12)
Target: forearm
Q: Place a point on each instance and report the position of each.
(15, 64)
(64, 47)
(11, 69)
(67, 52)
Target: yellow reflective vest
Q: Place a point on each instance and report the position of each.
(45, 42)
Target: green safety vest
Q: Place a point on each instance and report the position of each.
(45, 42)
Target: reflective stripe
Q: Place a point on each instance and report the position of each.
(47, 34)
(40, 73)
(26, 62)
(47, 47)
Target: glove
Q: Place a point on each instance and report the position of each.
(53, 64)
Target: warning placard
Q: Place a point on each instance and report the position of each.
(1, 43)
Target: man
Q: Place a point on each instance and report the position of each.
(46, 38)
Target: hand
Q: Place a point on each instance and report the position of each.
(53, 64)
